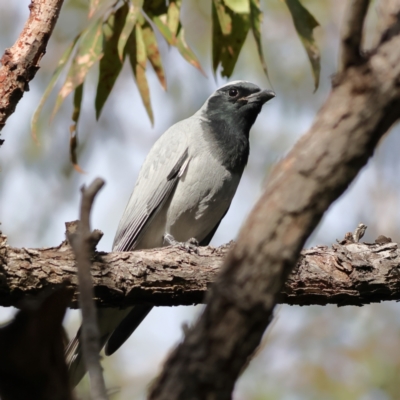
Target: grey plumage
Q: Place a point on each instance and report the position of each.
(184, 189)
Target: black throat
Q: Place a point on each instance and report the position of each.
(230, 144)
(229, 132)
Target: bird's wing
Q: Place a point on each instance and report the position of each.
(158, 177)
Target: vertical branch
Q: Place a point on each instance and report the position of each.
(21, 61)
(352, 34)
(388, 11)
(32, 363)
(362, 106)
(83, 248)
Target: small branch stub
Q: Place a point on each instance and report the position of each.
(359, 232)
(352, 33)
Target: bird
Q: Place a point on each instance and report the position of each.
(184, 189)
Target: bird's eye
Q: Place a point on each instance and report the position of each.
(233, 92)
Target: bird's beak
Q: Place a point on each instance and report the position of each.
(260, 97)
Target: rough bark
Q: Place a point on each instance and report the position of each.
(352, 33)
(21, 61)
(32, 363)
(344, 274)
(387, 10)
(168, 276)
(363, 104)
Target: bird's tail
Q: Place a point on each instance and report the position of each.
(127, 326)
(108, 320)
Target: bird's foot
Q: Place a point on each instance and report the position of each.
(190, 246)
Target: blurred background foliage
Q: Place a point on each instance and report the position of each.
(126, 29)
(308, 352)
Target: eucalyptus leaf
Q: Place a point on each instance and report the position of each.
(238, 6)
(187, 52)
(176, 37)
(255, 22)
(110, 64)
(136, 50)
(61, 64)
(224, 18)
(153, 54)
(173, 17)
(305, 24)
(73, 140)
(164, 29)
(89, 51)
(131, 18)
(227, 46)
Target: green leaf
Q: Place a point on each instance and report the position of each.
(305, 23)
(153, 53)
(225, 20)
(73, 139)
(89, 51)
(131, 18)
(157, 10)
(187, 52)
(227, 43)
(173, 17)
(170, 27)
(138, 58)
(168, 22)
(238, 6)
(110, 63)
(61, 64)
(164, 29)
(255, 22)
(78, 95)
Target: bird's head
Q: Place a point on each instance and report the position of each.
(236, 104)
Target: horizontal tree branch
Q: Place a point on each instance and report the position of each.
(344, 274)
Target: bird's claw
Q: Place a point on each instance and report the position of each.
(190, 246)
